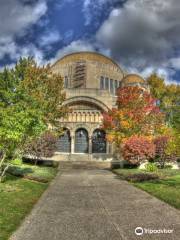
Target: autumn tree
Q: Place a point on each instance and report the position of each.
(132, 125)
(136, 114)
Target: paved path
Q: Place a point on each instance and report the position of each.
(95, 205)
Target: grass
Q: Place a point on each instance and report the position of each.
(167, 188)
(18, 195)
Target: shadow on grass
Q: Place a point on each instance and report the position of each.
(19, 171)
(170, 182)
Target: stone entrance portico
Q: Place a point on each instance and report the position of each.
(91, 130)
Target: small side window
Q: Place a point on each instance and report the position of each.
(111, 86)
(65, 82)
(102, 82)
(107, 83)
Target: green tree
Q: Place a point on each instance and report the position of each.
(168, 97)
(31, 100)
(157, 86)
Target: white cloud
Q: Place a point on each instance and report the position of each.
(76, 46)
(143, 35)
(94, 8)
(49, 38)
(33, 51)
(175, 63)
(15, 18)
(15, 52)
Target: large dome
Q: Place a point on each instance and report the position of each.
(89, 70)
(92, 56)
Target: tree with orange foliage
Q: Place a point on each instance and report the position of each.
(136, 114)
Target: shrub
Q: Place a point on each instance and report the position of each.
(19, 171)
(138, 148)
(168, 166)
(151, 167)
(141, 177)
(44, 146)
(16, 161)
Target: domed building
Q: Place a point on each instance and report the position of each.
(133, 80)
(90, 81)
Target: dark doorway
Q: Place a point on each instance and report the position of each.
(81, 141)
(64, 142)
(99, 141)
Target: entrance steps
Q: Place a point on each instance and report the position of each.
(82, 157)
(84, 161)
(85, 165)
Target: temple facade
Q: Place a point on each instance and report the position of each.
(90, 82)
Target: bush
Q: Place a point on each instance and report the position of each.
(19, 171)
(151, 167)
(44, 146)
(141, 177)
(16, 161)
(168, 166)
(138, 148)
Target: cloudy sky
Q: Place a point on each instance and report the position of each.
(141, 35)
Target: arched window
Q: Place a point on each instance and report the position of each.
(81, 141)
(99, 141)
(64, 142)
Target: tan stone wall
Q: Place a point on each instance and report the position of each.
(87, 102)
(102, 96)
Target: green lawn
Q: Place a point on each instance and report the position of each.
(18, 195)
(167, 188)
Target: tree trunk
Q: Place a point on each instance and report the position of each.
(3, 171)
(2, 160)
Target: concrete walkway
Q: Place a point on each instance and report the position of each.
(95, 204)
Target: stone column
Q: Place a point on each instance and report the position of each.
(72, 144)
(107, 147)
(90, 145)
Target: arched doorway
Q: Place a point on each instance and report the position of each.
(64, 142)
(99, 141)
(81, 141)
